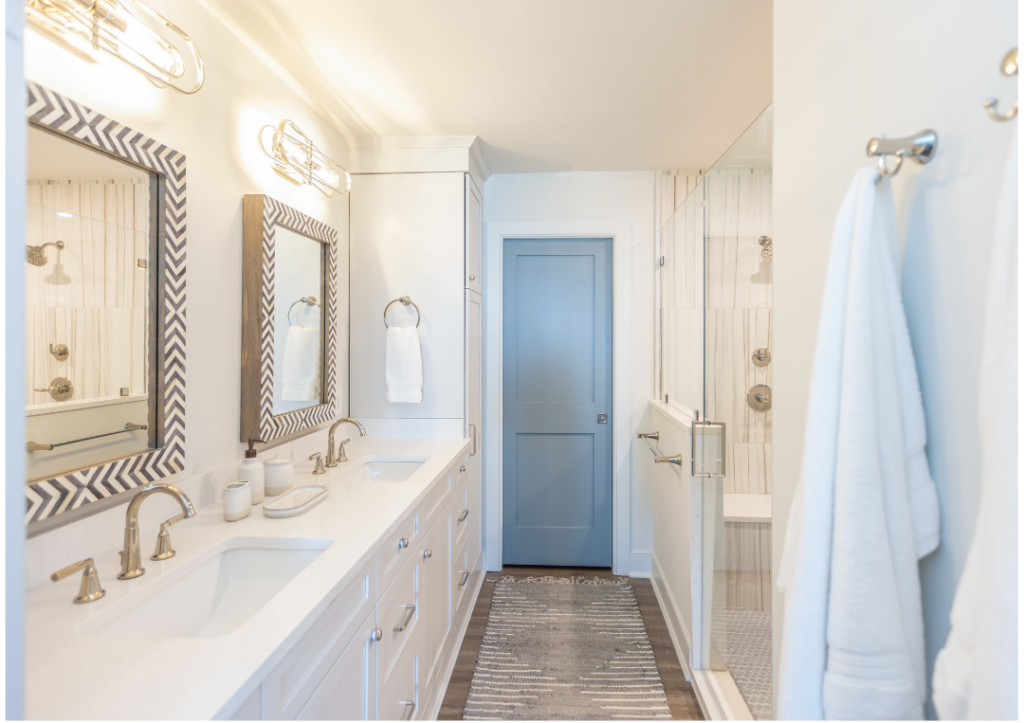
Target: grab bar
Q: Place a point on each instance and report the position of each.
(35, 446)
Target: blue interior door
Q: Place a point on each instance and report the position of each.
(557, 380)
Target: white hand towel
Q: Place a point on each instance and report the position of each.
(403, 365)
(301, 376)
(865, 508)
(976, 672)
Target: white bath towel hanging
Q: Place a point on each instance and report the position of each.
(976, 672)
(403, 365)
(865, 508)
(301, 376)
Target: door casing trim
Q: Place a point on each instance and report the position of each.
(495, 234)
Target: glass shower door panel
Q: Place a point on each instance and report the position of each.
(682, 304)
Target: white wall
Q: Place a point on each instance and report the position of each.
(216, 130)
(606, 200)
(13, 365)
(933, 70)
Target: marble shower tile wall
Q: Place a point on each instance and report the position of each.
(92, 294)
(738, 320)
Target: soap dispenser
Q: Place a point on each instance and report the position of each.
(252, 471)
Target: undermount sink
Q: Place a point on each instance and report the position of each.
(215, 593)
(385, 468)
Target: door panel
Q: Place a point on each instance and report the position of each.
(556, 380)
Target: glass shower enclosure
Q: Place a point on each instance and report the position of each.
(715, 319)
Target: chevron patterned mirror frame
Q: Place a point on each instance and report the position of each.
(261, 217)
(46, 498)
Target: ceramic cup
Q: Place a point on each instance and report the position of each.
(237, 500)
(278, 476)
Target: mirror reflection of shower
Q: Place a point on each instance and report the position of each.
(37, 254)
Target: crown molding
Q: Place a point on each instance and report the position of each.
(472, 144)
(373, 143)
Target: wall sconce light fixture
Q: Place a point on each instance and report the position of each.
(128, 30)
(297, 159)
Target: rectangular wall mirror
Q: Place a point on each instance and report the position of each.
(90, 323)
(105, 303)
(289, 321)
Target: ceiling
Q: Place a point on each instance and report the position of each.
(547, 85)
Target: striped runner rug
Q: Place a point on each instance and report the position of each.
(565, 649)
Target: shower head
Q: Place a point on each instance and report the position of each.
(766, 248)
(37, 254)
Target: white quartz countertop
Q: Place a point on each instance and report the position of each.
(74, 674)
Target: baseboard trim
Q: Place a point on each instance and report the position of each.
(640, 564)
(453, 645)
(670, 610)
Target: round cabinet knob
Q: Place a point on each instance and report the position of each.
(403, 543)
(472, 277)
(462, 468)
(376, 635)
(427, 553)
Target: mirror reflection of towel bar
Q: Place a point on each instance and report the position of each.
(308, 300)
(35, 446)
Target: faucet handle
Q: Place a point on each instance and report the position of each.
(90, 590)
(164, 551)
(319, 468)
(342, 457)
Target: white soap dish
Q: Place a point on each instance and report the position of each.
(295, 501)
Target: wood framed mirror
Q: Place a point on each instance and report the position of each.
(105, 304)
(289, 321)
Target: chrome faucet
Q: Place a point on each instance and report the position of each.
(332, 459)
(131, 556)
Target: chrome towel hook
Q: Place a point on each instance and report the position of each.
(1008, 68)
(919, 147)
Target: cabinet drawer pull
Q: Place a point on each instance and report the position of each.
(408, 619)
(463, 514)
(462, 468)
(403, 543)
(465, 578)
(376, 635)
(428, 554)
(411, 705)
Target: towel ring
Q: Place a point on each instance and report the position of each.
(308, 300)
(405, 302)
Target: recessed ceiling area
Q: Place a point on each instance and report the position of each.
(598, 85)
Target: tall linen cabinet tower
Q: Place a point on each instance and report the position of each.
(416, 231)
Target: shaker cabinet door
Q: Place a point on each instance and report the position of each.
(474, 237)
(349, 692)
(435, 592)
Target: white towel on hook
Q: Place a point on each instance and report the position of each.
(976, 672)
(403, 365)
(865, 508)
(301, 376)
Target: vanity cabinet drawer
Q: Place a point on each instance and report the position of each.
(462, 515)
(395, 552)
(397, 617)
(462, 468)
(349, 691)
(438, 497)
(462, 577)
(401, 697)
(287, 689)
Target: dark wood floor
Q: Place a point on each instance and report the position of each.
(682, 702)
